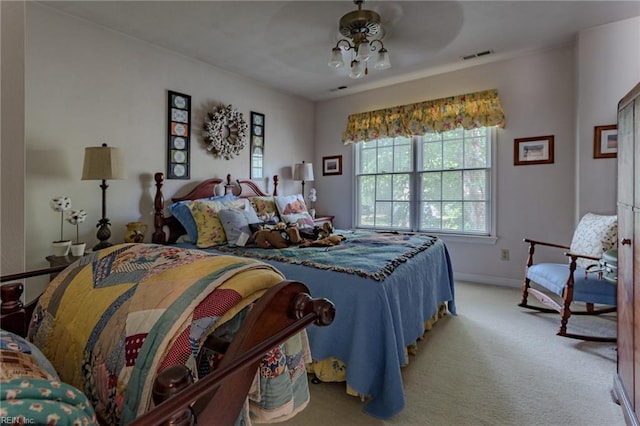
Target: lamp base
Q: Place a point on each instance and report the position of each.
(101, 245)
(104, 233)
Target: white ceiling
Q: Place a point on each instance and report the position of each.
(287, 44)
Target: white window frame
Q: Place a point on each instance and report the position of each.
(491, 238)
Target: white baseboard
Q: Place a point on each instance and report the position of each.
(488, 279)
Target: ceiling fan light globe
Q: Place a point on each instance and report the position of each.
(336, 60)
(364, 51)
(356, 70)
(383, 62)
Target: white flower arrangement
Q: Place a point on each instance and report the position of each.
(76, 217)
(60, 204)
(215, 123)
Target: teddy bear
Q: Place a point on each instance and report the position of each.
(279, 237)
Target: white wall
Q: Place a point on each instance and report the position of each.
(12, 161)
(86, 85)
(538, 94)
(608, 58)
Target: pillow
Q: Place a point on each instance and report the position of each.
(180, 210)
(21, 358)
(205, 215)
(235, 223)
(594, 235)
(265, 208)
(293, 209)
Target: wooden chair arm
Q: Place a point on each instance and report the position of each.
(532, 248)
(542, 243)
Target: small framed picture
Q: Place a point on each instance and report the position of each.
(332, 165)
(256, 141)
(536, 150)
(605, 141)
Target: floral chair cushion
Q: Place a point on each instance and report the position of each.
(594, 235)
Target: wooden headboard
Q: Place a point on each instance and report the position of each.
(168, 229)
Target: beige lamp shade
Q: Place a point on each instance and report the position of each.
(303, 171)
(103, 162)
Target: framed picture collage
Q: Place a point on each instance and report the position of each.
(179, 143)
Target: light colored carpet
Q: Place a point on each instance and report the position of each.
(492, 364)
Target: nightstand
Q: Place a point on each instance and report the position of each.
(321, 220)
(60, 261)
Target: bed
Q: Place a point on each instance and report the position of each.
(121, 325)
(382, 308)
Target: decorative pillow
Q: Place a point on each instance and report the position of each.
(293, 209)
(21, 358)
(181, 211)
(594, 235)
(265, 208)
(235, 223)
(205, 215)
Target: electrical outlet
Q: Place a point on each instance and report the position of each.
(504, 254)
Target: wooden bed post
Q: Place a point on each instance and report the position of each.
(275, 185)
(158, 206)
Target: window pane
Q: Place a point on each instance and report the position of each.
(383, 187)
(431, 217)
(431, 186)
(369, 158)
(475, 152)
(385, 160)
(401, 187)
(383, 214)
(367, 194)
(401, 215)
(432, 156)
(452, 216)
(452, 185)
(403, 158)
(452, 154)
(475, 217)
(475, 182)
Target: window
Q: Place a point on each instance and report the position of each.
(438, 182)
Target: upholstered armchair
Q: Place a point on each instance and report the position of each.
(563, 286)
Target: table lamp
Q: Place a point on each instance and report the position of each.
(304, 172)
(102, 163)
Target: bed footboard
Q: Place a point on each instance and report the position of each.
(284, 310)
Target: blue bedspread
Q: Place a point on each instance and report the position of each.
(377, 318)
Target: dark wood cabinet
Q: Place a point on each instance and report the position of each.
(627, 379)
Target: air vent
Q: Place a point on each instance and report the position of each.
(477, 55)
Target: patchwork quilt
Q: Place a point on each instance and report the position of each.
(115, 318)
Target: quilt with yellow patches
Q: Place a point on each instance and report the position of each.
(115, 318)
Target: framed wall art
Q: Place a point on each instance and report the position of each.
(178, 135)
(332, 165)
(536, 150)
(605, 141)
(256, 146)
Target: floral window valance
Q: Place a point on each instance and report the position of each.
(480, 109)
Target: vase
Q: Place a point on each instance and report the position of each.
(135, 232)
(61, 248)
(78, 249)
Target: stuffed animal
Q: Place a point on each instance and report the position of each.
(277, 238)
(325, 231)
(331, 240)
